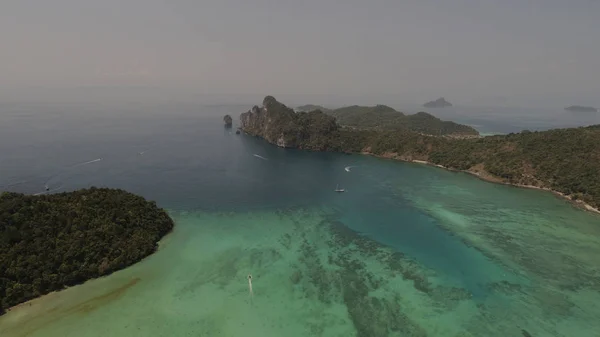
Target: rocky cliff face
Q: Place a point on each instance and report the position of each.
(280, 125)
(271, 122)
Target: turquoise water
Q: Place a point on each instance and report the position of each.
(408, 250)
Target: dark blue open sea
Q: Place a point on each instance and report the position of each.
(407, 250)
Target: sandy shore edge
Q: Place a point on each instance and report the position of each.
(490, 178)
(52, 295)
(483, 175)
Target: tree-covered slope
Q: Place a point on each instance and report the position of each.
(386, 118)
(564, 160)
(53, 241)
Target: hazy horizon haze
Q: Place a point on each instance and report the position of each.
(534, 53)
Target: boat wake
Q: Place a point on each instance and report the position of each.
(70, 168)
(347, 168)
(49, 191)
(87, 162)
(14, 184)
(56, 177)
(259, 156)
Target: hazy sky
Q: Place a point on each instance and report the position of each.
(470, 51)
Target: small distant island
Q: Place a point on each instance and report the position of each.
(579, 108)
(566, 161)
(438, 103)
(228, 121)
(50, 242)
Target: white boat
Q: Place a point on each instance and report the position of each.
(338, 189)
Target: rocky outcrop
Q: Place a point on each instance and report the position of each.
(228, 121)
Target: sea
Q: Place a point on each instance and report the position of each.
(263, 245)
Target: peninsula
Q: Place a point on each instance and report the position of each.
(50, 242)
(566, 161)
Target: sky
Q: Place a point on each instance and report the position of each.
(522, 52)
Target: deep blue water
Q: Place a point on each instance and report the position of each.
(182, 157)
(185, 159)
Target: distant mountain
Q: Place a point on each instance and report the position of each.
(438, 103)
(579, 108)
(385, 117)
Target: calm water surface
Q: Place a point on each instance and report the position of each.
(408, 250)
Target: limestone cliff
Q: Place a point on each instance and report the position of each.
(280, 125)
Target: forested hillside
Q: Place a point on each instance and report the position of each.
(53, 241)
(382, 117)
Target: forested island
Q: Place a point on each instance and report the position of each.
(50, 242)
(383, 117)
(563, 160)
(579, 108)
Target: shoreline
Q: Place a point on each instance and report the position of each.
(160, 244)
(485, 176)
